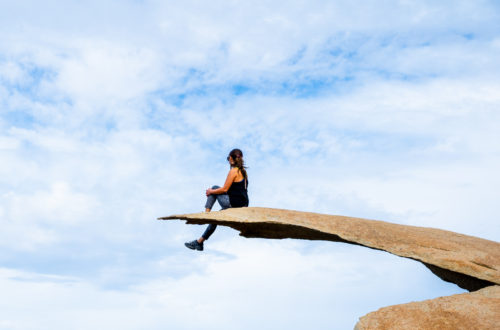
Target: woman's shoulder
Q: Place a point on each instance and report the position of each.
(236, 173)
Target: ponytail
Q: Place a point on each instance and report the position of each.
(237, 156)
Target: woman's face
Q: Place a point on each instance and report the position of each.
(230, 160)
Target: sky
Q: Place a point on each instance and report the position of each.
(115, 113)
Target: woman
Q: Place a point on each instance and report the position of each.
(232, 194)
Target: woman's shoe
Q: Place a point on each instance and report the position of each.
(194, 245)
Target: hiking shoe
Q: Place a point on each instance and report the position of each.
(194, 245)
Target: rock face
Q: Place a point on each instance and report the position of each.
(470, 262)
(476, 310)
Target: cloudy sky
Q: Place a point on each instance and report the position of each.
(114, 113)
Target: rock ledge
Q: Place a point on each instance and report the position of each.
(470, 262)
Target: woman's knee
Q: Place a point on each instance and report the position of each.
(215, 187)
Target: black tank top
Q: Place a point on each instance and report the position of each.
(238, 196)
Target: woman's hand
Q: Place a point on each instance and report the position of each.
(208, 192)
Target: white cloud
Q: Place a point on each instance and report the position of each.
(109, 72)
(59, 204)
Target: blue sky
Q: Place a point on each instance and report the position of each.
(113, 113)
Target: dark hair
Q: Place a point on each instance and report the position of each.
(237, 156)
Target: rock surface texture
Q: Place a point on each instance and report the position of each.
(470, 262)
(476, 310)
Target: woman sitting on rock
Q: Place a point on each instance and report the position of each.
(232, 194)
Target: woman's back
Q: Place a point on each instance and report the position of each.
(238, 196)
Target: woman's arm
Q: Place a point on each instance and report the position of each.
(229, 181)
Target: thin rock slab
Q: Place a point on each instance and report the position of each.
(470, 262)
(475, 310)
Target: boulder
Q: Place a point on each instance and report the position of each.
(476, 310)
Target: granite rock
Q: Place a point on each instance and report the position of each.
(470, 262)
(468, 311)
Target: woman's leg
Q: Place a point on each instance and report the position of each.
(223, 200)
(208, 232)
(210, 202)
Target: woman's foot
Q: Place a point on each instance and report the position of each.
(194, 245)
